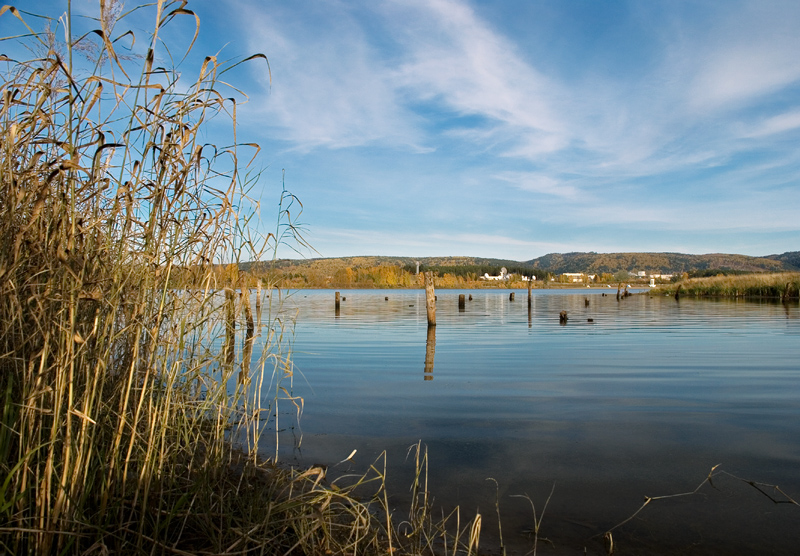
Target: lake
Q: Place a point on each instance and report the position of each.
(643, 401)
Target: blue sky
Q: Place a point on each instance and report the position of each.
(512, 129)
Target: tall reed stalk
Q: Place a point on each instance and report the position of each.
(114, 211)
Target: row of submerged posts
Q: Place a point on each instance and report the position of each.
(430, 299)
(430, 305)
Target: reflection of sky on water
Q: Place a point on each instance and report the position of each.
(642, 401)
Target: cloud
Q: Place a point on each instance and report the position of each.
(788, 121)
(336, 242)
(456, 61)
(330, 86)
(537, 183)
(748, 53)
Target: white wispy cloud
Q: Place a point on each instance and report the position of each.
(330, 88)
(536, 183)
(776, 124)
(334, 242)
(751, 51)
(456, 60)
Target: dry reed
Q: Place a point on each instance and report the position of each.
(125, 428)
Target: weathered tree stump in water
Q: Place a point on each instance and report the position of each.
(585, 301)
(230, 326)
(511, 296)
(430, 298)
(562, 317)
(461, 302)
(248, 312)
(337, 301)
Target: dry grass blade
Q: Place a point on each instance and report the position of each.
(779, 497)
(648, 499)
(537, 520)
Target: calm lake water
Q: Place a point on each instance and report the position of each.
(643, 401)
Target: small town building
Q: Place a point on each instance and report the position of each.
(573, 276)
(504, 275)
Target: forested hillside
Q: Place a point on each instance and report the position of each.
(663, 263)
(400, 272)
(789, 259)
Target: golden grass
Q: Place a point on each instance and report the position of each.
(125, 427)
(782, 285)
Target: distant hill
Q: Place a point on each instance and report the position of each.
(790, 258)
(664, 263)
(556, 263)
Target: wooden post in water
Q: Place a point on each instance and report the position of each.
(462, 304)
(230, 326)
(430, 298)
(511, 296)
(259, 287)
(248, 312)
(337, 301)
(530, 285)
(249, 339)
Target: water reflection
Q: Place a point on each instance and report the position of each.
(643, 399)
(430, 351)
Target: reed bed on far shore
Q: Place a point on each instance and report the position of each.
(782, 285)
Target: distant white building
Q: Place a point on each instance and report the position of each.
(573, 276)
(503, 275)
